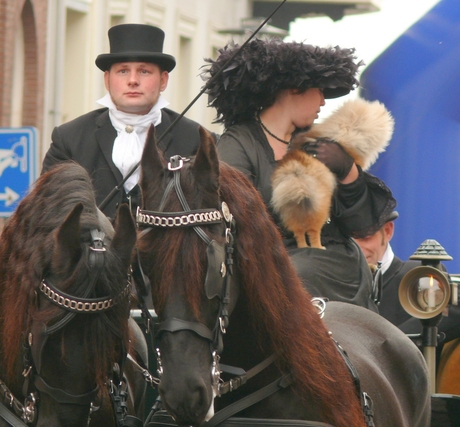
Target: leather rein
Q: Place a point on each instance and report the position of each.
(18, 414)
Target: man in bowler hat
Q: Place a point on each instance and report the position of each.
(377, 249)
(108, 142)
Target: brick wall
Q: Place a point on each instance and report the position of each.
(32, 16)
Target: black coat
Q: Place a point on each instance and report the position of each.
(89, 139)
(390, 307)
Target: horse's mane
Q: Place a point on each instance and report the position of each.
(282, 308)
(26, 251)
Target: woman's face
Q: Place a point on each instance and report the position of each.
(307, 106)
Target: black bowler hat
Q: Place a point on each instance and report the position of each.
(393, 215)
(136, 43)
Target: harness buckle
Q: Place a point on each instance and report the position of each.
(176, 162)
(28, 411)
(9, 396)
(222, 324)
(97, 244)
(159, 364)
(26, 371)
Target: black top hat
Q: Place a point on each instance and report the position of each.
(136, 43)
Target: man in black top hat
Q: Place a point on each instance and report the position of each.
(108, 142)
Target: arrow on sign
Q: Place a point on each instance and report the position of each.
(9, 196)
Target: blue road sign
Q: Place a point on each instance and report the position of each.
(18, 166)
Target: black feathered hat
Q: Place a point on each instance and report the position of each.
(136, 43)
(263, 68)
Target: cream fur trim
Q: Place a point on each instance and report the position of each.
(363, 128)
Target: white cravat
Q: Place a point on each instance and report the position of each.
(387, 258)
(132, 131)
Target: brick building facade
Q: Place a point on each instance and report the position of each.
(22, 46)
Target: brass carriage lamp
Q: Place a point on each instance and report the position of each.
(424, 292)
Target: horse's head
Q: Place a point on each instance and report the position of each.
(75, 296)
(186, 252)
(73, 354)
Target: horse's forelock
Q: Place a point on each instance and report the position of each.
(175, 261)
(177, 257)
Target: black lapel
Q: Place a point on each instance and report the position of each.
(391, 271)
(160, 129)
(105, 136)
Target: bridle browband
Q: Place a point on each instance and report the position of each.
(81, 305)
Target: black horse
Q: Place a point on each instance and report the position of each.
(64, 307)
(225, 292)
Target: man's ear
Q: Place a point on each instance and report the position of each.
(389, 229)
(106, 79)
(164, 78)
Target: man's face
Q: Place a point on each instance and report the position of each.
(374, 246)
(135, 86)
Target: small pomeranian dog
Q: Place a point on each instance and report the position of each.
(303, 186)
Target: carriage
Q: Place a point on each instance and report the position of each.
(232, 318)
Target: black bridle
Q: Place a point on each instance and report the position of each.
(219, 273)
(219, 280)
(36, 338)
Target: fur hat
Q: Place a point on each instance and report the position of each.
(136, 43)
(264, 68)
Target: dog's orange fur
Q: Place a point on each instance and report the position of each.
(302, 193)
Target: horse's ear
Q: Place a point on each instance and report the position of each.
(67, 250)
(125, 235)
(206, 166)
(152, 163)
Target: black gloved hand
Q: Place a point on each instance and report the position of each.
(332, 155)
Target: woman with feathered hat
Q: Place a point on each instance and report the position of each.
(270, 91)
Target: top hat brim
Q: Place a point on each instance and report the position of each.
(106, 60)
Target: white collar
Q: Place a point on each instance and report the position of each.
(387, 258)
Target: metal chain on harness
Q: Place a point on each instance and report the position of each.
(26, 412)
